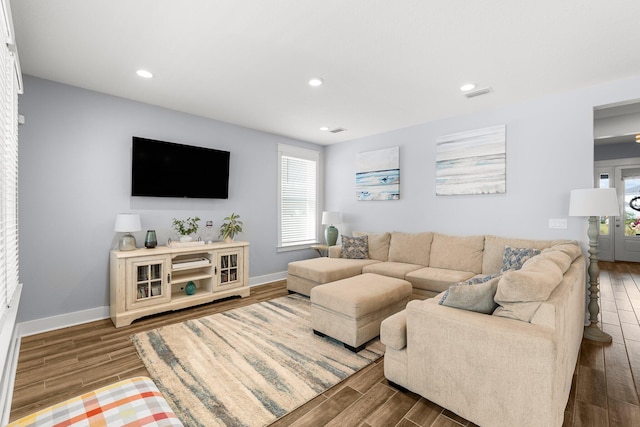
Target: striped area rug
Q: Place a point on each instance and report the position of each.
(248, 366)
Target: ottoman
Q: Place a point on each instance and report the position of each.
(351, 310)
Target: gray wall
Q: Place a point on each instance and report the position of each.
(616, 151)
(549, 152)
(75, 174)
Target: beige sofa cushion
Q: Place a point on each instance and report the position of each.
(571, 249)
(534, 282)
(412, 248)
(462, 253)
(378, 244)
(520, 293)
(436, 279)
(358, 296)
(391, 269)
(325, 270)
(494, 250)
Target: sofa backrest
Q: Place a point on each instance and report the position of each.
(494, 250)
(411, 248)
(477, 254)
(457, 252)
(378, 244)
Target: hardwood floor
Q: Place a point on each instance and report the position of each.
(58, 365)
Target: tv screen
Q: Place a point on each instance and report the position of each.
(166, 169)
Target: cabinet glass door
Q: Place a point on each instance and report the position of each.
(149, 282)
(229, 267)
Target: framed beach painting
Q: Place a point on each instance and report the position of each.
(472, 162)
(378, 174)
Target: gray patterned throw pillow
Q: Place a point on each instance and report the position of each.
(355, 247)
(514, 258)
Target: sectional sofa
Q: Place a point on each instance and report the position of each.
(497, 338)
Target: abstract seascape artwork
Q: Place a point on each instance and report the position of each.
(378, 174)
(471, 162)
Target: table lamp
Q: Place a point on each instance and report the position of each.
(331, 233)
(594, 203)
(127, 223)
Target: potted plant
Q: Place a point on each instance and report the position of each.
(186, 227)
(231, 226)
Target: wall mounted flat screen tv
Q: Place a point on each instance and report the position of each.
(167, 169)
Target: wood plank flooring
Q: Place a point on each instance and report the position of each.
(61, 364)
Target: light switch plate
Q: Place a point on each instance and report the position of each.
(558, 223)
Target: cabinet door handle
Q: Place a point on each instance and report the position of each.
(168, 277)
(215, 270)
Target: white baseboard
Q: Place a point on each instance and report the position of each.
(46, 324)
(267, 278)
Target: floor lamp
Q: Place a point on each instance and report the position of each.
(594, 203)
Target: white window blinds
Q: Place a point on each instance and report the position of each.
(8, 171)
(298, 196)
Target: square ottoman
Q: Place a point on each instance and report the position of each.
(351, 310)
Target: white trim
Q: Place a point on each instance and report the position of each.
(9, 339)
(267, 278)
(46, 324)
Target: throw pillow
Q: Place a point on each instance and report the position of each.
(514, 258)
(355, 247)
(473, 295)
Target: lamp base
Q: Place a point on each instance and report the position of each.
(331, 235)
(593, 333)
(127, 243)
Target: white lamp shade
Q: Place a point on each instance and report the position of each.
(329, 218)
(594, 202)
(128, 223)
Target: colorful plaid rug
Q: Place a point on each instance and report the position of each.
(248, 366)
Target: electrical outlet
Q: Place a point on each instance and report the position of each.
(558, 224)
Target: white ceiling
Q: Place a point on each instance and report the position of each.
(386, 64)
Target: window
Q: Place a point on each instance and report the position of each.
(605, 222)
(298, 173)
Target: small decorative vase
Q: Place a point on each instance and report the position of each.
(190, 289)
(151, 240)
(186, 238)
(228, 239)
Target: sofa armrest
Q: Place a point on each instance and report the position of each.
(467, 362)
(335, 251)
(393, 331)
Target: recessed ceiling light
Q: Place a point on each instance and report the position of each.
(324, 128)
(467, 86)
(315, 82)
(638, 138)
(144, 73)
